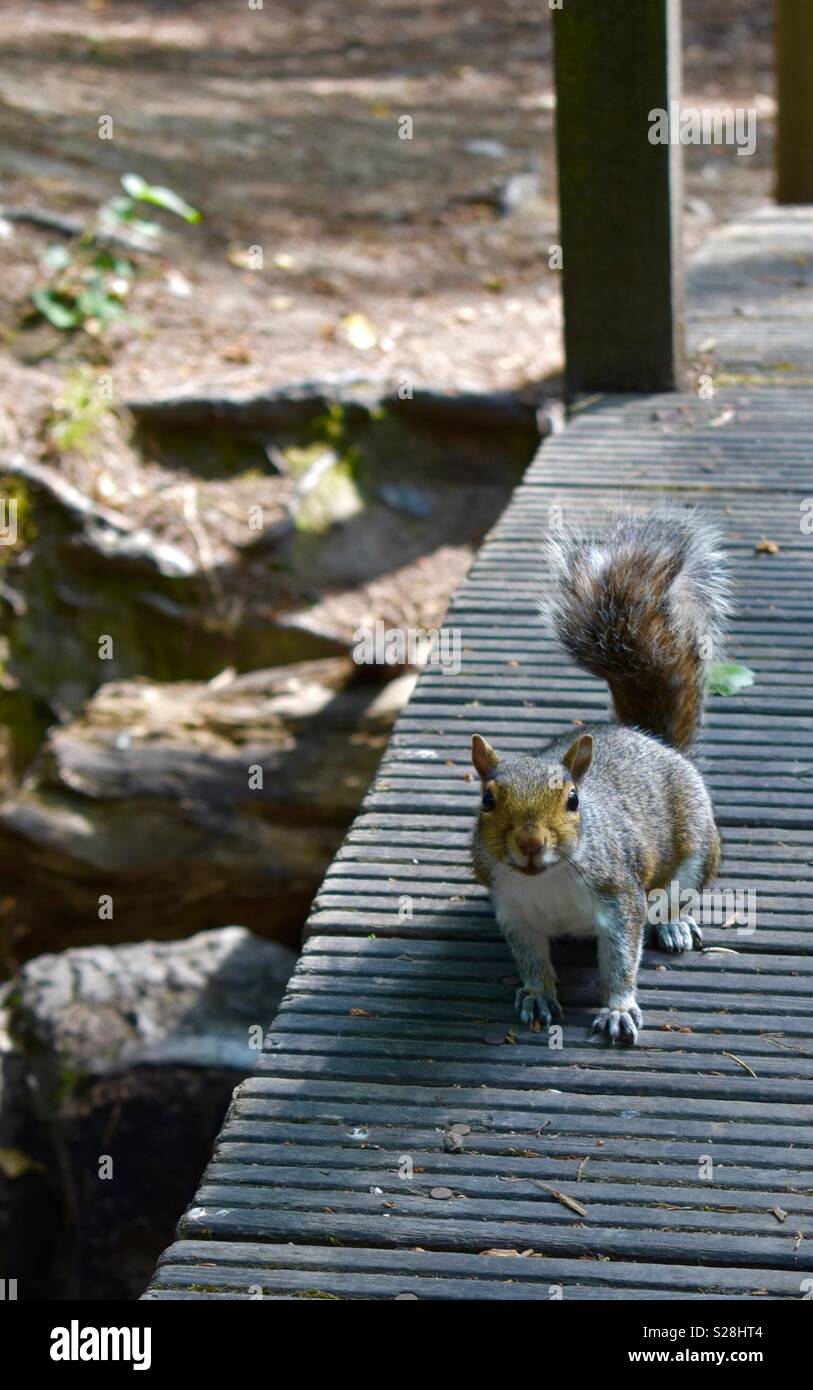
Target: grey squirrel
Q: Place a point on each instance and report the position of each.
(571, 841)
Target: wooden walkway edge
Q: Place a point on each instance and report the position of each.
(402, 1136)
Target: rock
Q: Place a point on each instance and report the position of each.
(238, 521)
(116, 1066)
(183, 804)
(14, 1161)
(87, 575)
(519, 192)
(97, 1009)
(486, 149)
(409, 500)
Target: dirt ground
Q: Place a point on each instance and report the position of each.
(281, 125)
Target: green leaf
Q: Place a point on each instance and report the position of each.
(55, 310)
(104, 260)
(134, 185)
(119, 209)
(96, 303)
(159, 197)
(727, 678)
(143, 227)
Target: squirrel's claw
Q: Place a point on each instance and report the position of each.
(694, 931)
(684, 935)
(620, 1025)
(534, 1005)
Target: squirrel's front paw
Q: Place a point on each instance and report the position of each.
(620, 1025)
(679, 936)
(535, 1006)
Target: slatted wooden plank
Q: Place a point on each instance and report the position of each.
(339, 1172)
(432, 1274)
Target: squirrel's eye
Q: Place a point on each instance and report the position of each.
(488, 801)
(573, 800)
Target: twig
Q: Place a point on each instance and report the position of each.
(562, 1197)
(743, 1064)
(69, 227)
(202, 542)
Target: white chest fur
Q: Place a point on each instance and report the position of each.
(555, 903)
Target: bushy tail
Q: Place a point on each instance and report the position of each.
(643, 605)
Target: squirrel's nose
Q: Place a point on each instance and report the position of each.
(528, 843)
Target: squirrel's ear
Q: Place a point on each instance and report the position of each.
(579, 755)
(483, 757)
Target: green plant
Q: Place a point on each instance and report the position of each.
(89, 281)
(76, 416)
(14, 490)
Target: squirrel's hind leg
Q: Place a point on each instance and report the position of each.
(620, 941)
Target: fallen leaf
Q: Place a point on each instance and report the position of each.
(240, 257)
(766, 547)
(235, 352)
(14, 1163)
(729, 678)
(359, 332)
(177, 284)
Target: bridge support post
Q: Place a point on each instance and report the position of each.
(619, 192)
(793, 46)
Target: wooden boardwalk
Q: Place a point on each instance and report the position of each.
(401, 1127)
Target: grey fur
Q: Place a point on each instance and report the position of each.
(644, 810)
(630, 603)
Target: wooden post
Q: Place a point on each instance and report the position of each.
(619, 193)
(793, 45)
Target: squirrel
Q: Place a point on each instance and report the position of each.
(572, 840)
